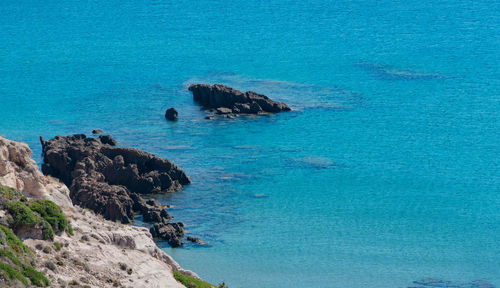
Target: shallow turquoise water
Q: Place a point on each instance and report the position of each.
(386, 172)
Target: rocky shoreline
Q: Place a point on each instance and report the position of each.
(111, 181)
(94, 253)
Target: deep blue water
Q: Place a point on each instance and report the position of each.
(386, 172)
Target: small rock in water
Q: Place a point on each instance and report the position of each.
(171, 232)
(171, 114)
(97, 131)
(195, 240)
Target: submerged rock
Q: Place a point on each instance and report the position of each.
(97, 131)
(231, 102)
(110, 180)
(171, 114)
(438, 283)
(195, 240)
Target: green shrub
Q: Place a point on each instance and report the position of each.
(36, 278)
(51, 213)
(223, 285)
(12, 273)
(21, 214)
(8, 254)
(58, 246)
(47, 232)
(47, 250)
(13, 241)
(9, 193)
(189, 281)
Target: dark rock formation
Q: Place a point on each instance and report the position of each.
(228, 101)
(173, 233)
(107, 139)
(110, 180)
(97, 131)
(195, 240)
(171, 114)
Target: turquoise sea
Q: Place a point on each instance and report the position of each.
(386, 172)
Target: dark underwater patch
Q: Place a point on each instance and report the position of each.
(437, 283)
(315, 162)
(387, 72)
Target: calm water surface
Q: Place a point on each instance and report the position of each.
(386, 172)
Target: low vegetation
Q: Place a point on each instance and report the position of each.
(36, 278)
(9, 193)
(51, 213)
(16, 262)
(43, 214)
(22, 215)
(191, 282)
(58, 246)
(7, 237)
(10, 273)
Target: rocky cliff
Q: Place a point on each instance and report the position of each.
(19, 170)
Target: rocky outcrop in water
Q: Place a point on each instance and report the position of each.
(230, 102)
(173, 233)
(171, 114)
(110, 180)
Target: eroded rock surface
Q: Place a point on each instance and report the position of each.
(231, 102)
(110, 180)
(98, 251)
(19, 171)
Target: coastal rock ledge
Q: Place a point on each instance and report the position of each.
(230, 102)
(110, 180)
